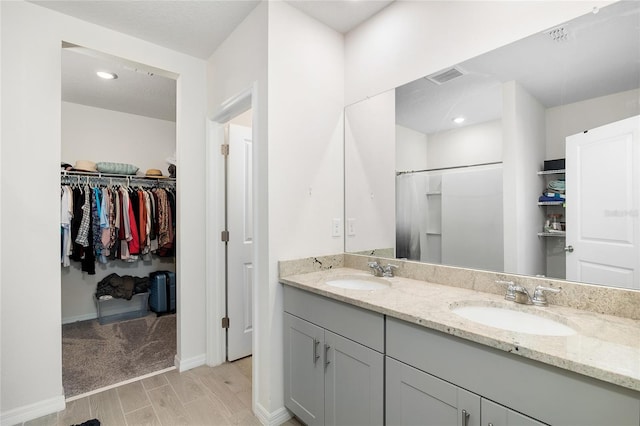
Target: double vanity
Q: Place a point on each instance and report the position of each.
(437, 345)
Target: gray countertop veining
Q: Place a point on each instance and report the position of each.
(605, 347)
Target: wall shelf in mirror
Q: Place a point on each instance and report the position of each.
(551, 203)
(551, 172)
(552, 234)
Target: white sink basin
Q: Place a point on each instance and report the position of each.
(513, 320)
(359, 282)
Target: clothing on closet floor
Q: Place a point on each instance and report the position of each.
(121, 287)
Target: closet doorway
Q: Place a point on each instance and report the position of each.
(126, 122)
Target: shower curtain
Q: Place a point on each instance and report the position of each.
(408, 216)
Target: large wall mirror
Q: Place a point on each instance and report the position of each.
(525, 159)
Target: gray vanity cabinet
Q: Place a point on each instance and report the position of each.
(354, 383)
(496, 415)
(417, 398)
(548, 394)
(333, 361)
(304, 369)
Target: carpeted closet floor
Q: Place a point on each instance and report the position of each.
(95, 356)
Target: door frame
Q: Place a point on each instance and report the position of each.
(215, 250)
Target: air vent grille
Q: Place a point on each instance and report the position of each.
(444, 76)
(558, 34)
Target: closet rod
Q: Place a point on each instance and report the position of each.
(68, 177)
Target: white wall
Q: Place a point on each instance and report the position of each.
(298, 155)
(567, 120)
(411, 39)
(466, 146)
(411, 149)
(370, 166)
(98, 134)
(230, 71)
(524, 129)
(31, 365)
(306, 100)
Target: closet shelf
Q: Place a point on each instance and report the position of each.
(70, 177)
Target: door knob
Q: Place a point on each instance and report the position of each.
(568, 249)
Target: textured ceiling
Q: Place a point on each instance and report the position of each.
(341, 15)
(600, 55)
(137, 90)
(196, 28)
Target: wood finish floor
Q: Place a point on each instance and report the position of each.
(204, 396)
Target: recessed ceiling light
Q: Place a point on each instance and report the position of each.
(459, 120)
(107, 75)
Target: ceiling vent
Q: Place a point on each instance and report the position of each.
(558, 34)
(446, 75)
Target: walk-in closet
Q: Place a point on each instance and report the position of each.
(118, 215)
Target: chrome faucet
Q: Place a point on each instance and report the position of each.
(376, 268)
(388, 270)
(381, 271)
(539, 298)
(519, 294)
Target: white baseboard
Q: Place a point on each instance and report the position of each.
(32, 411)
(188, 364)
(276, 418)
(77, 318)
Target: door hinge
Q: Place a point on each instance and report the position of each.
(225, 322)
(224, 236)
(224, 149)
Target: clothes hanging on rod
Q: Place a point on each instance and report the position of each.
(131, 220)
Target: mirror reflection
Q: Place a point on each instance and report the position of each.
(524, 159)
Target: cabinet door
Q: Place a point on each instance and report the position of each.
(417, 398)
(354, 390)
(496, 415)
(304, 370)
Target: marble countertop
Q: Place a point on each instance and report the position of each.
(605, 347)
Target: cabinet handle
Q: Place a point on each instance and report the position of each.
(326, 355)
(316, 355)
(465, 418)
(489, 424)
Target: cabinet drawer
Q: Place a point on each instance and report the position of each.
(547, 393)
(357, 324)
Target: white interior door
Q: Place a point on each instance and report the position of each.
(239, 254)
(603, 188)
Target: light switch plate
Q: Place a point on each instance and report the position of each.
(351, 227)
(335, 228)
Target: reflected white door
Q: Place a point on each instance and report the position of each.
(603, 192)
(240, 226)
